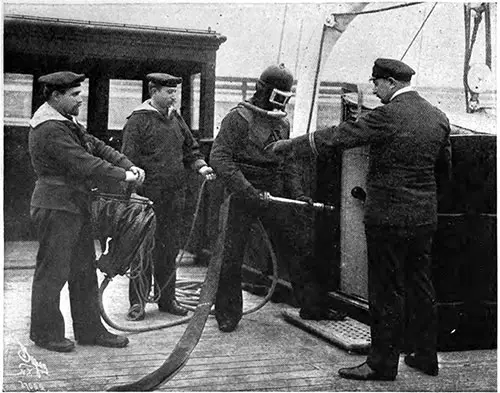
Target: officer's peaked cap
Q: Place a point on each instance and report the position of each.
(164, 79)
(62, 79)
(386, 68)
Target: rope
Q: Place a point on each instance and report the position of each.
(189, 295)
(379, 9)
(187, 292)
(114, 325)
(125, 229)
(418, 32)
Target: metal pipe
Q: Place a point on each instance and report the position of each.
(268, 198)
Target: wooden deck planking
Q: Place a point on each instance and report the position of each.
(265, 353)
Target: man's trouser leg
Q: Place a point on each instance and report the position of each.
(60, 252)
(387, 250)
(290, 229)
(139, 285)
(168, 240)
(83, 287)
(228, 300)
(420, 295)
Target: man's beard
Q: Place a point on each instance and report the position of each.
(75, 111)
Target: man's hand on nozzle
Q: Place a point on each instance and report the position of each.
(131, 177)
(305, 198)
(282, 147)
(207, 172)
(253, 194)
(141, 175)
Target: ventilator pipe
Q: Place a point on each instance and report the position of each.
(268, 198)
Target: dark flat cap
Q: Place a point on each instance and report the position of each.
(164, 79)
(385, 68)
(62, 79)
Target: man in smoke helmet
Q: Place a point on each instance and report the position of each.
(246, 169)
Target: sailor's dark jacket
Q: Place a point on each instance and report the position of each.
(67, 160)
(161, 145)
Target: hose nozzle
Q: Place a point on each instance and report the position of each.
(268, 198)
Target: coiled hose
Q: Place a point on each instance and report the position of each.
(143, 225)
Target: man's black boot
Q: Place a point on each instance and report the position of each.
(65, 345)
(428, 366)
(106, 339)
(227, 326)
(364, 372)
(136, 313)
(174, 308)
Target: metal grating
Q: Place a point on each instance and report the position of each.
(348, 334)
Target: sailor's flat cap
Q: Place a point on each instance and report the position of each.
(62, 79)
(386, 68)
(164, 79)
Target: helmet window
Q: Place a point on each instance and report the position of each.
(279, 97)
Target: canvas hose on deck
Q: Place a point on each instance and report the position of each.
(179, 356)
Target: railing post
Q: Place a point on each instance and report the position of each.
(244, 89)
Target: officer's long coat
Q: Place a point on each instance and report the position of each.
(408, 137)
(67, 159)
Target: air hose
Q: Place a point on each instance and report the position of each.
(188, 289)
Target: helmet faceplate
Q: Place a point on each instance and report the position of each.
(280, 80)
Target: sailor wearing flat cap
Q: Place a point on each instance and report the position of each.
(164, 79)
(66, 160)
(158, 139)
(62, 79)
(409, 143)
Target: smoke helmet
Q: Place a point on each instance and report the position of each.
(279, 80)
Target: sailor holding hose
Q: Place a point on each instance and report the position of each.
(67, 161)
(247, 170)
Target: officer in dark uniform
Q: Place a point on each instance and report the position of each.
(66, 159)
(246, 170)
(408, 137)
(157, 138)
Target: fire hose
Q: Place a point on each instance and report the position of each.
(113, 213)
(181, 352)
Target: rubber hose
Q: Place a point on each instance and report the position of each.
(191, 304)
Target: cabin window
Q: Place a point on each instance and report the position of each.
(82, 116)
(195, 101)
(17, 96)
(124, 97)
